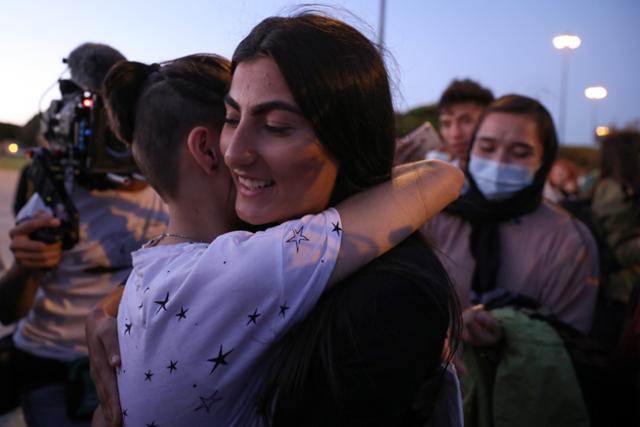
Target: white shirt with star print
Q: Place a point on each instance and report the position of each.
(196, 320)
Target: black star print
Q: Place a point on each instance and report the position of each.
(153, 424)
(298, 237)
(219, 360)
(127, 329)
(336, 227)
(172, 366)
(148, 375)
(253, 317)
(162, 304)
(124, 413)
(140, 306)
(207, 402)
(182, 314)
(283, 308)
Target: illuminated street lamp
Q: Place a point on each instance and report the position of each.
(566, 43)
(602, 131)
(595, 94)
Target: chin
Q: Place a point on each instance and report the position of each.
(255, 217)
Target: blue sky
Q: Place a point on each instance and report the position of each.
(505, 44)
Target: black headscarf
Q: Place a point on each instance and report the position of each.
(485, 215)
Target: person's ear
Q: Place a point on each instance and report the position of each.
(202, 143)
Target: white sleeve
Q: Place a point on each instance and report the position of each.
(33, 205)
(284, 269)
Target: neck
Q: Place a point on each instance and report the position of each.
(198, 223)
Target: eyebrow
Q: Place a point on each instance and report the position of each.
(265, 107)
(524, 144)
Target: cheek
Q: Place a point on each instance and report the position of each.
(309, 176)
(467, 129)
(224, 141)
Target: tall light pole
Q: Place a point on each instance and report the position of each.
(566, 43)
(595, 94)
(381, 20)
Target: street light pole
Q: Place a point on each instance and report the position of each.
(381, 20)
(566, 43)
(595, 94)
(564, 83)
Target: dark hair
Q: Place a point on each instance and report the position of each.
(153, 107)
(339, 81)
(466, 90)
(620, 157)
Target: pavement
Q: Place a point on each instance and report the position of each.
(8, 181)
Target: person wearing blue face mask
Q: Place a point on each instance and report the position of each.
(501, 235)
(503, 246)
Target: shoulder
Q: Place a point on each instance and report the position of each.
(445, 228)
(607, 191)
(606, 185)
(407, 284)
(551, 217)
(559, 229)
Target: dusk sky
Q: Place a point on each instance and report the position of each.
(504, 44)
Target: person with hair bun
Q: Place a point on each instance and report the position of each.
(204, 304)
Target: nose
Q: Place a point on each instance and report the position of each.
(456, 130)
(502, 156)
(238, 144)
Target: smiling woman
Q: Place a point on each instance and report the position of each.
(193, 319)
(309, 122)
(280, 168)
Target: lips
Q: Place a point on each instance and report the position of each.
(253, 186)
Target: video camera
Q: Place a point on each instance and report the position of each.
(78, 137)
(81, 148)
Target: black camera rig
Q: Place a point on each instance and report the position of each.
(80, 150)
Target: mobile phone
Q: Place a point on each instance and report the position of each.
(425, 136)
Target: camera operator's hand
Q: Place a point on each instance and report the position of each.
(104, 358)
(32, 254)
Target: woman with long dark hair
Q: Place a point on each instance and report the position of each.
(365, 351)
(310, 98)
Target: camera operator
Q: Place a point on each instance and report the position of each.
(67, 259)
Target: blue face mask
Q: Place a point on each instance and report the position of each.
(498, 181)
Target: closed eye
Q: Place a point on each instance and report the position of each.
(278, 130)
(231, 122)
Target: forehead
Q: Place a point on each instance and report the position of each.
(510, 128)
(259, 80)
(461, 109)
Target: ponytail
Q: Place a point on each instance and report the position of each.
(122, 89)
